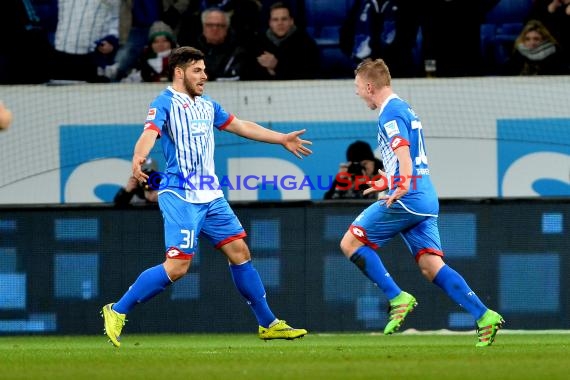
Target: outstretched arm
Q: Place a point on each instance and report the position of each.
(142, 149)
(253, 131)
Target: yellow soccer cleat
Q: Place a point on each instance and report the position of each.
(281, 330)
(114, 323)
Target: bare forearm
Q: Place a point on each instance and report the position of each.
(144, 144)
(405, 167)
(254, 131)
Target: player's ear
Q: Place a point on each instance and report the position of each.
(178, 72)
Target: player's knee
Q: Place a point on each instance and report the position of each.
(430, 264)
(176, 269)
(347, 245)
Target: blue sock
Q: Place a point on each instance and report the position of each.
(366, 259)
(249, 284)
(457, 289)
(150, 282)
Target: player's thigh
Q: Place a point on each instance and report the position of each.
(423, 238)
(221, 225)
(377, 224)
(182, 222)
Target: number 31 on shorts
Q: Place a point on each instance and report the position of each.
(187, 239)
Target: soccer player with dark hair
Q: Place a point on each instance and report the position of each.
(410, 209)
(184, 119)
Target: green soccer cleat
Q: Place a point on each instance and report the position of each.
(114, 323)
(400, 307)
(281, 330)
(487, 327)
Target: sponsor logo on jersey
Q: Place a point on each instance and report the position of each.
(398, 142)
(151, 114)
(391, 128)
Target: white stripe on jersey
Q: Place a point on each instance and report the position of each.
(191, 127)
(389, 158)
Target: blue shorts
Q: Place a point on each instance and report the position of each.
(378, 224)
(184, 222)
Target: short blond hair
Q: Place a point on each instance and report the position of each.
(376, 71)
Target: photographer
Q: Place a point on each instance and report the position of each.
(135, 192)
(360, 162)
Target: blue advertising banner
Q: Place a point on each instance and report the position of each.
(533, 157)
(248, 170)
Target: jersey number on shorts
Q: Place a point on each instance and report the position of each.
(187, 239)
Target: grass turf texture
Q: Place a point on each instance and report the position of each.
(317, 356)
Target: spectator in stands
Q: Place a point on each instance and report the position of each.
(555, 15)
(244, 17)
(386, 29)
(284, 51)
(152, 65)
(104, 57)
(135, 192)
(223, 56)
(360, 161)
(74, 37)
(536, 52)
(137, 16)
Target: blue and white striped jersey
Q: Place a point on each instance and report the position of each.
(186, 128)
(398, 125)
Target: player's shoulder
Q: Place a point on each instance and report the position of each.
(398, 108)
(164, 97)
(206, 99)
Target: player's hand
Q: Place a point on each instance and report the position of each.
(137, 171)
(294, 144)
(378, 185)
(401, 190)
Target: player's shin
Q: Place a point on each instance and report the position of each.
(457, 289)
(149, 283)
(368, 261)
(248, 282)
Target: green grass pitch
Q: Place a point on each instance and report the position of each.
(515, 355)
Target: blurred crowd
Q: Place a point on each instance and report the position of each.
(106, 41)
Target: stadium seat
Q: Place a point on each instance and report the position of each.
(509, 11)
(323, 19)
(502, 26)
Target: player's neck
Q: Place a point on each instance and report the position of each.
(182, 89)
(382, 95)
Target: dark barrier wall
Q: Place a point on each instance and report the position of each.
(58, 266)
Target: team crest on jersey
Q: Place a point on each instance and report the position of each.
(391, 128)
(151, 114)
